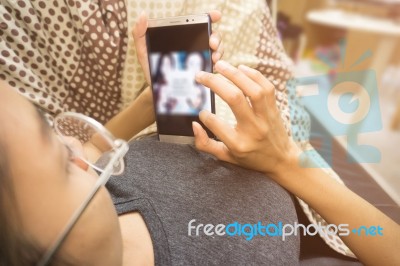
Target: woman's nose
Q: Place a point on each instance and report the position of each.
(78, 155)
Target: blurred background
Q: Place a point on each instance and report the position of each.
(327, 37)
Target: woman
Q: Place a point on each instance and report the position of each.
(40, 189)
(166, 190)
(41, 196)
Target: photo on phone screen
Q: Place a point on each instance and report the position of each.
(176, 53)
(175, 88)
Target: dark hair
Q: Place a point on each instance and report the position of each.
(15, 247)
(159, 76)
(203, 59)
(158, 80)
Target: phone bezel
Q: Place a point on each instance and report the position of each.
(178, 21)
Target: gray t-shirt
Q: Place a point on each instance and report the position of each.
(172, 185)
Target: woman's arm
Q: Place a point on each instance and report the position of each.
(136, 117)
(259, 141)
(339, 205)
(140, 113)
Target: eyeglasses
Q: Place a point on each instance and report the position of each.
(105, 156)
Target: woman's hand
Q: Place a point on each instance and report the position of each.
(139, 36)
(259, 141)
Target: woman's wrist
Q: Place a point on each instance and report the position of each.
(292, 162)
(136, 117)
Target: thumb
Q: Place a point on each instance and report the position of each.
(208, 145)
(139, 37)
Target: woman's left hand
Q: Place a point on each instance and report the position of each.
(259, 141)
(139, 36)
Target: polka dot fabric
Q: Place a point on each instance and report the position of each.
(65, 55)
(77, 55)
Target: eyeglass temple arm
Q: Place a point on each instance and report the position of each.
(50, 252)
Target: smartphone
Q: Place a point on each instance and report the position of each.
(178, 48)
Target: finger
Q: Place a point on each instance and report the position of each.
(221, 129)
(215, 41)
(216, 56)
(213, 147)
(229, 93)
(249, 87)
(267, 87)
(217, 46)
(139, 36)
(215, 15)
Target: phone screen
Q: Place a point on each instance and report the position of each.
(176, 54)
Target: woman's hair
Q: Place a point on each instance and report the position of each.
(159, 76)
(203, 59)
(15, 247)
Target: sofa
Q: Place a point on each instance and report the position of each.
(79, 56)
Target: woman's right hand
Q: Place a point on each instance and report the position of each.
(259, 141)
(139, 36)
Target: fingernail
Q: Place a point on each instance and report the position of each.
(221, 65)
(213, 40)
(217, 55)
(244, 68)
(142, 17)
(199, 75)
(203, 114)
(195, 130)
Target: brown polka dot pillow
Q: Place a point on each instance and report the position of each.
(65, 55)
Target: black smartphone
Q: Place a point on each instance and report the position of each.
(178, 48)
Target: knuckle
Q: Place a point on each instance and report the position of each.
(220, 46)
(202, 144)
(258, 94)
(206, 119)
(209, 120)
(205, 78)
(234, 72)
(219, 156)
(235, 98)
(258, 75)
(221, 50)
(269, 90)
(261, 132)
(240, 149)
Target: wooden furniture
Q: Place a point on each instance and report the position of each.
(387, 31)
